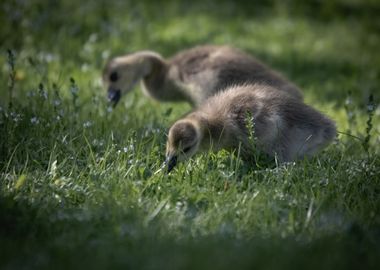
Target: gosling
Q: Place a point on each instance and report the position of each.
(192, 75)
(282, 125)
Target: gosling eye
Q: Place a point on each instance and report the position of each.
(114, 76)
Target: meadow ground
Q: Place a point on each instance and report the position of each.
(77, 182)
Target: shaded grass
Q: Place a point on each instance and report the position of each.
(78, 183)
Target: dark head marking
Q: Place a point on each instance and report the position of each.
(114, 76)
(171, 162)
(183, 133)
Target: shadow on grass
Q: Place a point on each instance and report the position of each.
(108, 240)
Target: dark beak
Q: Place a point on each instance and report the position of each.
(114, 96)
(171, 161)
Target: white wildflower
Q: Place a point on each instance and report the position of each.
(34, 120)
(74, 90)
(348, 101)
(179, 205)
(49, 57)
(87, 124)
(93, 37)
(43, 94)
(85, 67)
(130, 147)
(16, 117)
(106, 54)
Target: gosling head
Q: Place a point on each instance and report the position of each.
(122, 73)
(183, 142)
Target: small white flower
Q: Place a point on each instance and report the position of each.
(324, 182)
(130, 147)
(109, 109)
(46, 56)
(93, 37)
(106, 54)
(49, 57)
(34, 120)
(348, 101)
(179, 205)
(74, 90)
(98, 82)
(87, 124)
(44, 94)
(97, 142)
(85, 67)
(16, 117)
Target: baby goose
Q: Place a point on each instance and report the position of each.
(283, 126)
(192, 75)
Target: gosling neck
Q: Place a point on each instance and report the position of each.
(211, 131)
(157, 82)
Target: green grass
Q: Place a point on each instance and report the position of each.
(77, 181)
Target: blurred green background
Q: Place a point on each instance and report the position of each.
(319, 44)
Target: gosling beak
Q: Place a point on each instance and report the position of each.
(114, 96)
(171, 161)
